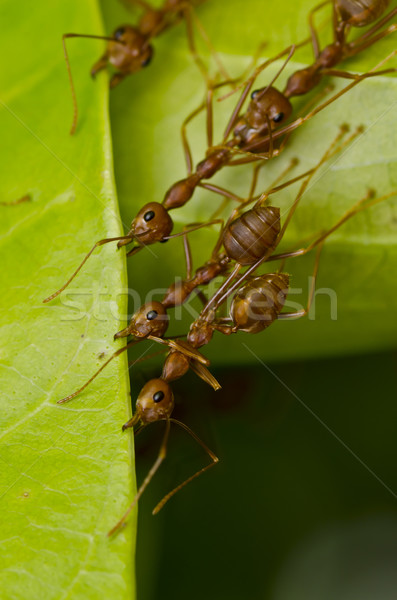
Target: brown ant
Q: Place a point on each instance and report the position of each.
(257, 303)
(153, 222)
(151, 321)
(129, 49)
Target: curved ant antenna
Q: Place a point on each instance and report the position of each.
(156, 465)
(163, 229)
(68, 67)
(96, 245)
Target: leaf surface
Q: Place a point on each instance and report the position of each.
(65, 470)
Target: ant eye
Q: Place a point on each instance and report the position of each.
(119, 33)
(146, 62)
(149, 215)
(278, 117)
(152, 314)
(158, 396)
(254, 93)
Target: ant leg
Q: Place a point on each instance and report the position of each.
(372, 30)
(96, 245)
(225, 290)
(221, 191)
(101, 64)
(185, 143)
(202, 297)
(66, 55)
(188, 257)
(193, 227)
(304, 311)
(313, 31)
(116, 79)
(191, 16)
(25, 198)
(212, 456)
(334, 147)
(204, 374)
(372, 40)
(367, 202)
(192, 46)
(105, 364)
(161, 456)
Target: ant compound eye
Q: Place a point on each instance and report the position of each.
(152, 314)
(278, 117)
(119, 33)
(158, 396)
(149, 215)
(254, 93)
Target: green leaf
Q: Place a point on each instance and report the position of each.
(146, 115)
(65, 470)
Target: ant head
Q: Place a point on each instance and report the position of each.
(150, 319)
(155, 401)
(269, 102)
(130, 51)
(152, 224)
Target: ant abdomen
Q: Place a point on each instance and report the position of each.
(359, 13)
(248, 237)
(259, 301)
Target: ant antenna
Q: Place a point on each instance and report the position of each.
(66, 55)
(96, 245)
(161, 456)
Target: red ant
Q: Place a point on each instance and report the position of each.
(153, 222)
(258, 302)
(151, 321)
(129, 49)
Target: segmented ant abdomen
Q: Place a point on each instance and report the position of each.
(359, 13)
(180, 192)
(150, 319)
(152, 224)
(250, 236)
(259, 301)
(155, 401)
(130, 51)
